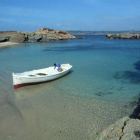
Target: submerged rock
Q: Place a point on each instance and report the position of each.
(80, 37)
(137, 65)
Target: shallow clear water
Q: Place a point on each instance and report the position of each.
(103, 81)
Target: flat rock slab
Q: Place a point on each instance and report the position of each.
(123, 129)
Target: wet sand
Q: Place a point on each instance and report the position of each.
(3, 44)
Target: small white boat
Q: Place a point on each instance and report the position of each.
(41, 75)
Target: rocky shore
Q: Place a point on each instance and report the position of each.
(41, 35)
(123, 36)
(124, 129)
(127, 128)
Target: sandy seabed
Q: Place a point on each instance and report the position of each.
(40, 112)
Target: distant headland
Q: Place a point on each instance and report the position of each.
(110, 34)
(41, 35)
(102, 32)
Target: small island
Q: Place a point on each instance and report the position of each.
(123, 36)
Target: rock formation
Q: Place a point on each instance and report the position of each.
(127, 128)
(41, 35)
(123, 36)
(11, 36)
(123, 129)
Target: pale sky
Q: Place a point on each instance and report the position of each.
(84, 15)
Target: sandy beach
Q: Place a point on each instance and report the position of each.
(3, 44)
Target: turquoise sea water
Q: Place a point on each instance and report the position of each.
(104, 73)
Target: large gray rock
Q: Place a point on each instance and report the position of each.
(126, 36)
(123, 129)
(34, 38)
(12, 36)
(131, 126)
(4, 38)
(45, 38)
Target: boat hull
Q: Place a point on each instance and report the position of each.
(19, 81)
